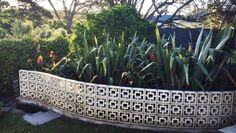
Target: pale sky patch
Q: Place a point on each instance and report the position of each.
(59, 6)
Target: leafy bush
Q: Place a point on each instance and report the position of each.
(15, 53)
(20, 28)
(113, 21)
(161, 65)
(47, 33)
(56, 24)
(51, 29)
(3, 33)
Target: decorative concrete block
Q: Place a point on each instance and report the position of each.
(190, 97)
(177, 97)
(127, 105)
(163, 96)
(203, 98)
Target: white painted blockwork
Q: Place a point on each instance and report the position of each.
(126, 105)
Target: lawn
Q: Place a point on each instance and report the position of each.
(13, 123)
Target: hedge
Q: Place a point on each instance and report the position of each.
(15, 53)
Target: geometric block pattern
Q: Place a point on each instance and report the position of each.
(127, 105)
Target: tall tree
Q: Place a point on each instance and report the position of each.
(161, 8)
(215, 13)
(79, 7)
(71, 8)
(8, 15)
(138, 4)
(31, 10)
(3, 5)
(157, 8)
(54, 9)
(225, 8)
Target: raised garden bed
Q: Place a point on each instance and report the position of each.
(129, 107)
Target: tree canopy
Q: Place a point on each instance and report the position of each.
(7, 17)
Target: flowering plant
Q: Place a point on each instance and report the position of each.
(42, 64)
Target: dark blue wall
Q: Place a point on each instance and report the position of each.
(183, 36)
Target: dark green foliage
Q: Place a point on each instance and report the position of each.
(56, 24)
(111, 63)
(161, 65)
(113, 21)
(14, 55)
(8, 15)
(30, 10)
(202, 68)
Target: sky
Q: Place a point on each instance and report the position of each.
(59, 6)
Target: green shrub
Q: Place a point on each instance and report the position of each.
(47, 33)
(15, 53)
(56, 24)
(113, 21)
(20, 28)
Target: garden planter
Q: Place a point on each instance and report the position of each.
(127, 106)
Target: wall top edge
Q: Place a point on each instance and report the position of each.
(124, 87)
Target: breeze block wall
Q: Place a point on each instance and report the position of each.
(126, 106)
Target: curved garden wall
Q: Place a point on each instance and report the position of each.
(138, 107)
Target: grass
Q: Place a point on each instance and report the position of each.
(13, 123)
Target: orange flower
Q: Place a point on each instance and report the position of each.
(40, 60)
(52, 55)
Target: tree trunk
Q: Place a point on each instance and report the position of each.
(111, 2)
(69, 21)
(54, 9)
(141, 7)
